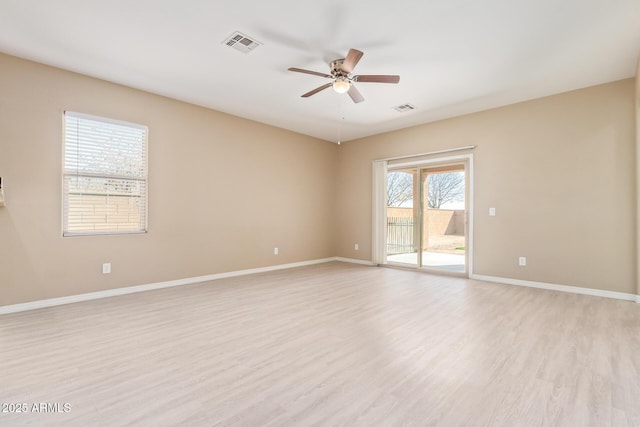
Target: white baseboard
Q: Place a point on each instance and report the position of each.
(560, 288)
(33, 305)
(354, 261)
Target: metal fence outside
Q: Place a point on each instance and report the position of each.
(400, 235)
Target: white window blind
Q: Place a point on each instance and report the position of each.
(105, 176)
(379, 220)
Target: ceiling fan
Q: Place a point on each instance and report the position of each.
(341, 70)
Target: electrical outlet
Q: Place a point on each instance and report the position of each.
(106, 268)
(522, 261)
(356, 247)
(275, 251)
(492, 211)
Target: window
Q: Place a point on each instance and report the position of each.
(105, 176)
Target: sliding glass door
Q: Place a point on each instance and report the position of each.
(443, 225)
(403, 216)
(427, 211)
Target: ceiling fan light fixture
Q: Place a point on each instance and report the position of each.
(341, 85)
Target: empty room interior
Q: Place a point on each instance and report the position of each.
(332, 213)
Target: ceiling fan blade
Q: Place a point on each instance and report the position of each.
(355, 94)
(316, 90)
(315, 73)
(352, 59)
(377, 78)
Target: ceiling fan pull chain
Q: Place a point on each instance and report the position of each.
(340, 120)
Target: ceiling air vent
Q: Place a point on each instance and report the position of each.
(241, 42)
(404, 108)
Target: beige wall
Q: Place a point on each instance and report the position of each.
(201, 162)
(443, 221)
(399, 212)
(573, 152)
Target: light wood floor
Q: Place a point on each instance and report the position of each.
(332, 344)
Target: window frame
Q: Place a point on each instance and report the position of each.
(143, 179)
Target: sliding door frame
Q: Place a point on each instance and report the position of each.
(380, 204)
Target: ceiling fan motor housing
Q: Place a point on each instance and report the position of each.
(336, 69)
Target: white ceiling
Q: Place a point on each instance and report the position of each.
(453, 56)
